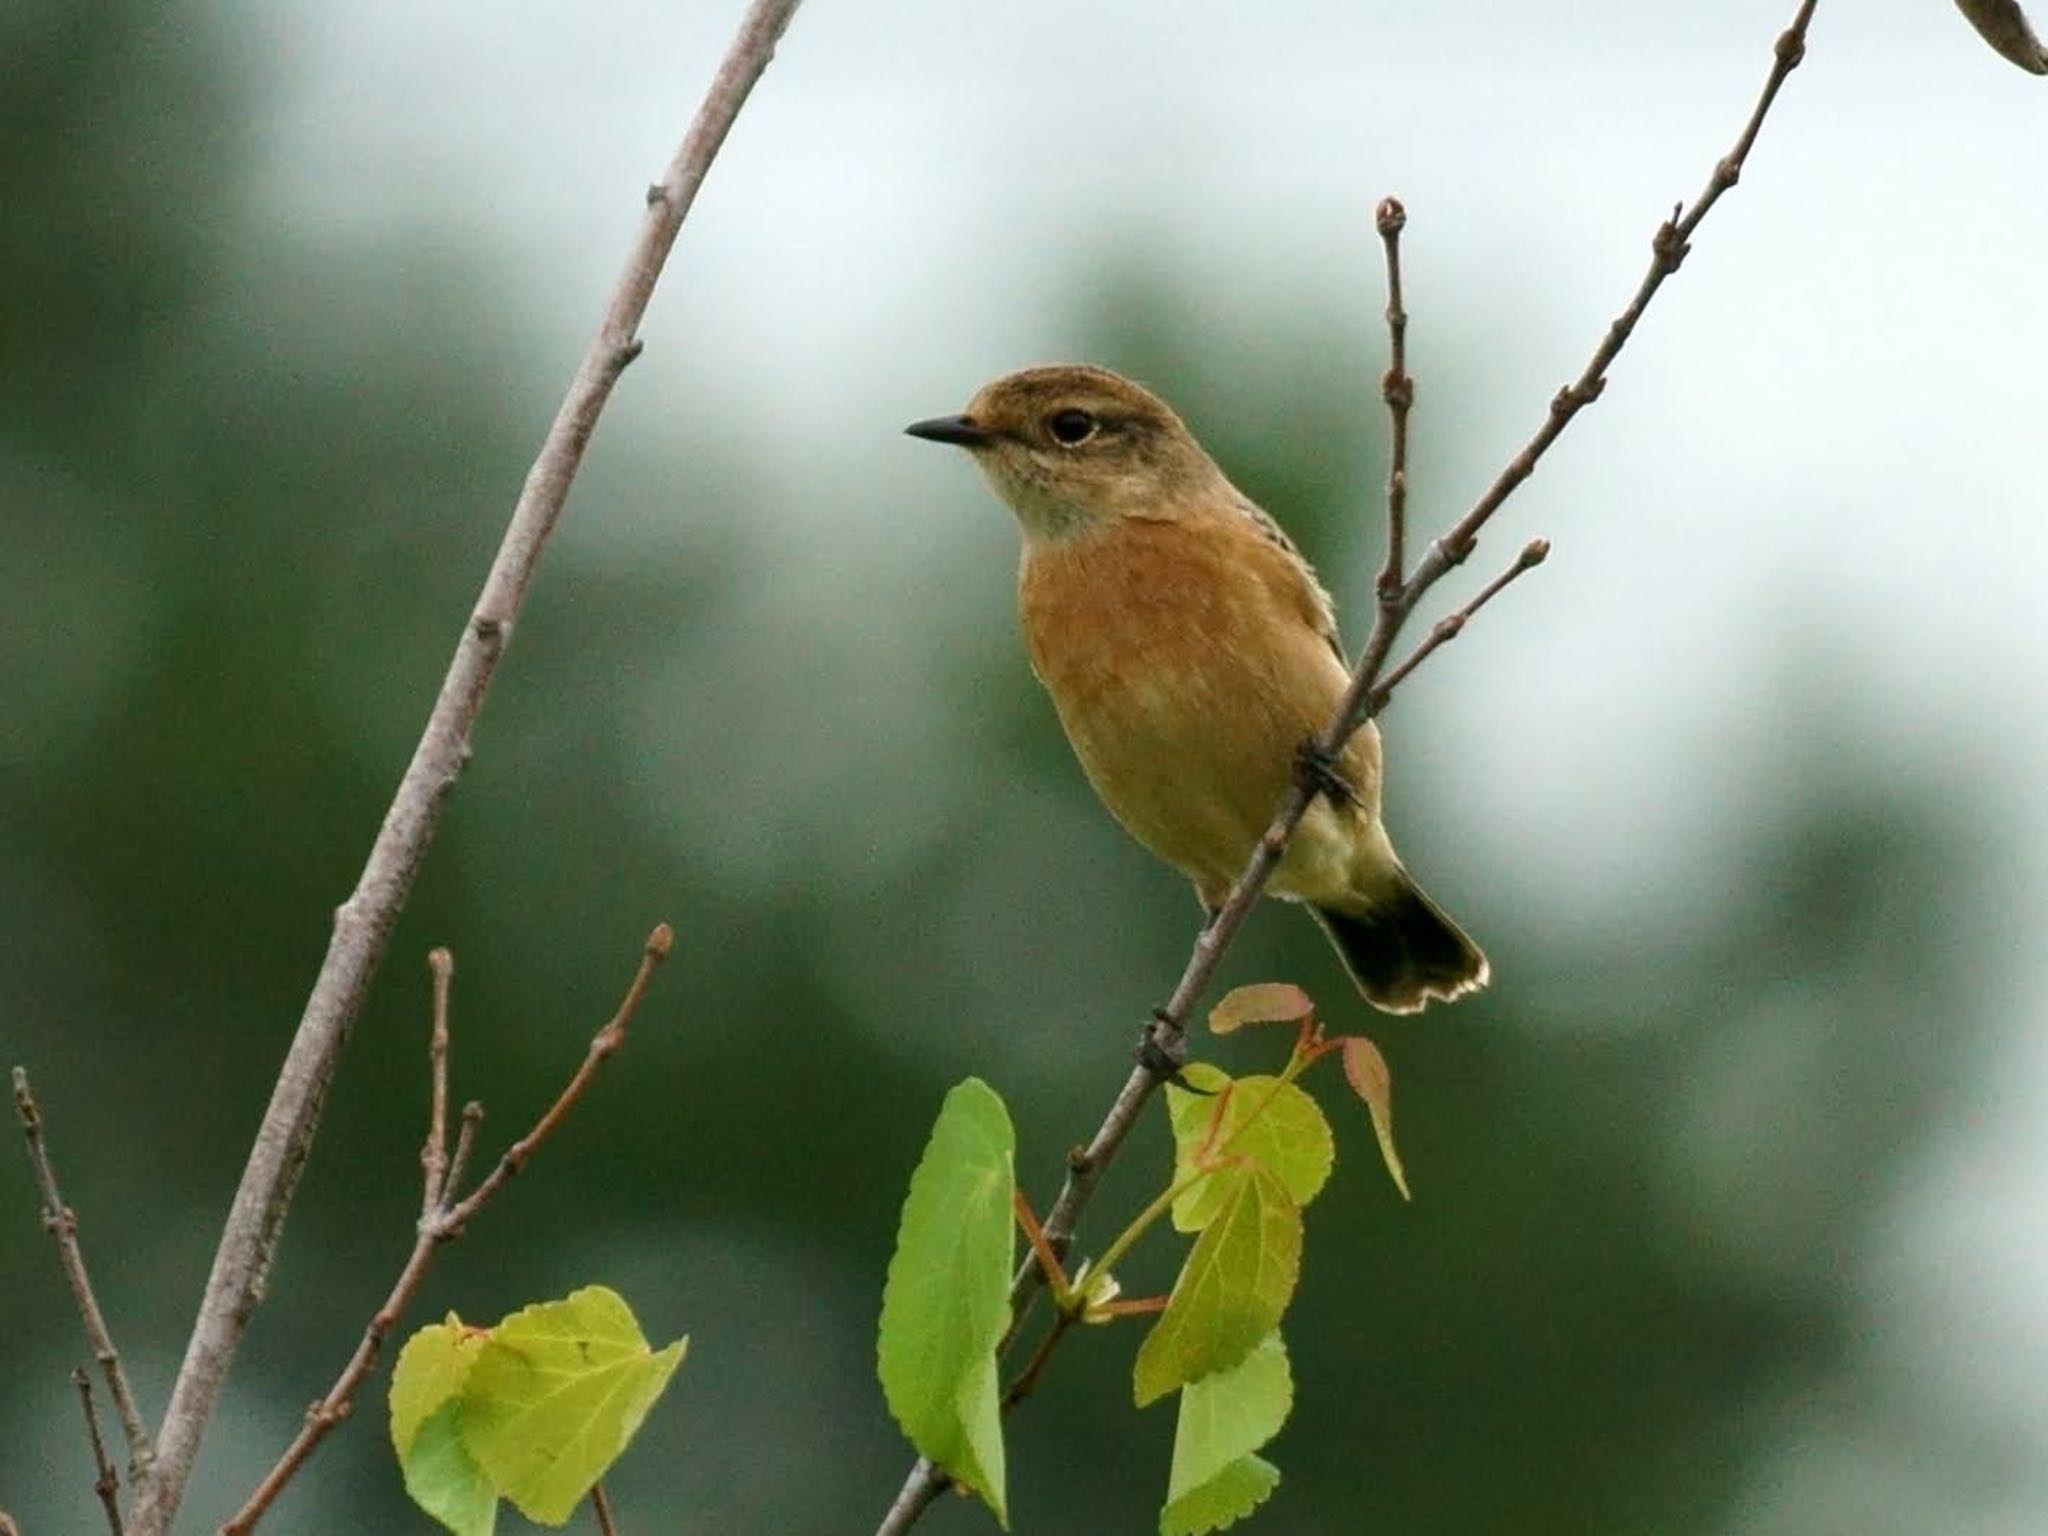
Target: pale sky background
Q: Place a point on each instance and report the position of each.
(1828, 430)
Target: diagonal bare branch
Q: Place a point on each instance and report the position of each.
(2003, 25)
(362, 925)
(62, 1224)
(106, 1484)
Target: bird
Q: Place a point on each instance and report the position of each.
(1192, 656)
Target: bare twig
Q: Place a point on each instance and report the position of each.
(465, 1143)
(106, 1484)
(2003, 25)
(1668, 248)
(61, 1222)
(1451, 625)
(447, 1218)
(434, 1153)
(363, 923)
(1364, 697)
(601, 1503)
(1027, 1379)
(1397, 388)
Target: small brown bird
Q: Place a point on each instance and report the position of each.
(1192, 654)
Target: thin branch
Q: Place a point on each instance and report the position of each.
(434, 1153)
(465, 1143)
(602, 1504)
(105, 1484)
(362, 925)
(7, 1525)
(924, 1484)
(2003, 25)
(1451, 625)
(444, 1223)
(61, 1222)
(602, 1045)
(1397, 388)
(1166, 1035)
(1668, 249)
(1027, 1379)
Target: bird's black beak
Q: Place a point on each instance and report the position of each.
(961, 431)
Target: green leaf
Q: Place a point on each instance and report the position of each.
(1264, 1002)
(444, 1479)
(1232, 1290)
(556, 1392)
(1236, 1491)
(1216, 1480)
(1366, 1070)
(440, 1474)
(1272, 1122)
(947, 1301)
(431, 1369)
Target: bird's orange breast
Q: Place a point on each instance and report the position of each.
(1184, 663)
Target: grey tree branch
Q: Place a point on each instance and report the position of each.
(362, 925)
(1398, 390)
(1366, 696)
(2003, 25)
(443, 1216)
(106, 1485)
(62, 1224)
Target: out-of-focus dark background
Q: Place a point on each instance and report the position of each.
(1726, 1213)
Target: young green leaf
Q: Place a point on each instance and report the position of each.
(947, 1300)
(1366, 1070)
(444, 1479)
(1232, 1290)
(1216, 1479)
(1274, 1123)
(430, 1371)
(556, 1392)
(1264, 1002)
(426, 1385)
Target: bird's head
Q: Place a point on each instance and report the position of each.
(1072, 447)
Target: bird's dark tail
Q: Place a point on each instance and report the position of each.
(1401, 950)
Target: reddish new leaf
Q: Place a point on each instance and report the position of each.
(1265, 1002)
(1366, 1070)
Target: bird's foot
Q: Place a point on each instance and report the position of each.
(1317, 772)
(1163, 1051)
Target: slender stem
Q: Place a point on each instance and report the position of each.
(1668, 249)
(2003, 25)
(363, 924)
(465, 1143)
(106, 1484)
(1140, 1224)
(602, 1504)
(602, 1045)
(61, 1222)
(924, 1484)
(1364, 696)
(1027, 1379)
(1397, 388)
(1449, 627)
(440, 1225)
(434, 1154)
(1034, 1234)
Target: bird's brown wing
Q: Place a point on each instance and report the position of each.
(1317, 608)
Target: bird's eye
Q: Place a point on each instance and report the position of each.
(1071, 428)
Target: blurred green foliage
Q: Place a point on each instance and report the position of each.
(247, 488)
